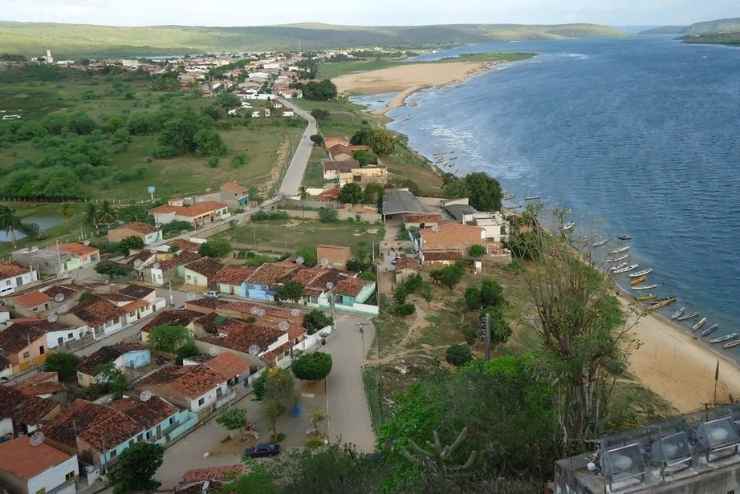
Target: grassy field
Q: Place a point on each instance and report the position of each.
(346, 118)
(292, 235)
(267, 143)
(71, 40)
(314, 176)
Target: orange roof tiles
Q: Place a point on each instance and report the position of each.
(25, 461)
(197, 209)
(97, 311)
(190, 382)
(270, 273)
(11, 269)
(228, 365)
(138, 227)
(231, 275)
(350, 286)
(206, 266)
(450, 236)
(31, 299)
(77, 249)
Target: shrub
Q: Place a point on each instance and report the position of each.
(403, 310)
(213, 162)
(320, 114)
(215, 248)
(316, 320)
(239, 160)
(327, 215)
(476, 251)
(312, 366)
(458, 355)
(270, 215)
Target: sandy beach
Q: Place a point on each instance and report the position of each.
(674, 365)
(407, 79)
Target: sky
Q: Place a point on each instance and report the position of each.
(367, 12)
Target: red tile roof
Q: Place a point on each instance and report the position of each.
(33, 410)
(228, 365)
(11, 269)
(26, 461)
(271, 273)
(178, 317)
(197, 209)
(350, 286)
(330, 194)
(233, 275)
(136, 291)
(442, 256)
(148, 413)
(97, 311)
(181, 259)
(77, 249)
(17, 337)
(10, 397)
(333, 253)
(189, 382)
(206, 266)
(40, 389)
(31, 299)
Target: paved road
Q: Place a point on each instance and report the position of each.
(349, 415)
(294, 176)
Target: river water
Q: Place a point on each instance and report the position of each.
(637, 135)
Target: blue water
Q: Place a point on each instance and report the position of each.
(639, 135)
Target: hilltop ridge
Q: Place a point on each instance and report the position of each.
(70, 40)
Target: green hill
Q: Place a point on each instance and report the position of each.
(677, 30)
(722, 31)
(71, 40)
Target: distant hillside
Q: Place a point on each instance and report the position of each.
(70, 40)
(722, 31)
(677, 30)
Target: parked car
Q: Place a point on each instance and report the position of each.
(263, 450)
(212, 294)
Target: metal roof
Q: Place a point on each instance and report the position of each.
(401, 201)
(457, 211)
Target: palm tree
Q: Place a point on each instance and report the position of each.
(10, 222)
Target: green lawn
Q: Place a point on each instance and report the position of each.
(314, 176)
(291, 235)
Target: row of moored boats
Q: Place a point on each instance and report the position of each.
(702, 328)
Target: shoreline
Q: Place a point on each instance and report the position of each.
(668, 360)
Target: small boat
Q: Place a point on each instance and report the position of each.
(645, 287)
(568, 227)
(678, 313)
(665, 302)
(722, 339)
(618, 266)
(620, 250)
(619, 259)
(648, 297)
(699, 325)
(625, 236)
(626, 269)
(688, 317)
(711, 329)
(532, 198)
(642, 273)
(731, 344)
(600, 243)
(638, 281)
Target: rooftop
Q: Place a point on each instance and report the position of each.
(190, 382)
(32, 410)
(11, 269)
(206, 266)
(341, 166)
(147, 413)
(401, 201)
(92, 364)
(31, 299)
(449, 236)
(25, 461)
(233, 275)
(77, 249)
(458, 210)
(97, 311)
(136, 291)
(350, 286)
(176, 317)
(271, 273)
(197, 209)
(19, 334)
(228, 365)
(184, 257)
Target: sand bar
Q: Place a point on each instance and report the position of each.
(407, 79)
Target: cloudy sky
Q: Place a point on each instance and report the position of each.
(367, 12)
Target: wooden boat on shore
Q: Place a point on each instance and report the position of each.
(732, 344)
(680, 312)
(625, 236)
(688, 317)
(619, 259)
(638, 281)
(600, 243)
(626, 269)
(642, 273)
(532, 198)
(645, 287)
(699, 325)
(665, 302)
(620, 250)
(648, 297)
(723, 338)
(711, 329)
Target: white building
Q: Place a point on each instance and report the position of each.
(28, 465)
(13, 276)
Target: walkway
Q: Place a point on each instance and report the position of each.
(294, 175)
(349, 414)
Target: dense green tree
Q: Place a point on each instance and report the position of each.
(290, 290)
(228, 100)
(458, 355)
(215, 248)
(63, 363)
(374, 194)
(81, 123)
(10, 222)
(112, 269)
(328, 215)
(351, 193)
(476, 251)
(448, 276)
(232, 419)
(130, 243)
(312, 366)
(365, 157)
(135, 468)
(257, 480)
(208, 142)
(488, 294)
(484, 192)
(320, 114)
(308, 254)
(114, 380)
(316, 320)
(169, 339)
(319, 90)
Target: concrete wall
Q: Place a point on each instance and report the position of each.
(9, 285)
(55, 476)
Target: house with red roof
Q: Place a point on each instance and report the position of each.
(202, 272)
(23, 347)
(58, 334)
(31, 303)
(84, 255)
(146, 232)
(197, 214)
(29, 465)
(196, 388)
(14, 276)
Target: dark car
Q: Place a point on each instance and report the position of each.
(263, 450)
